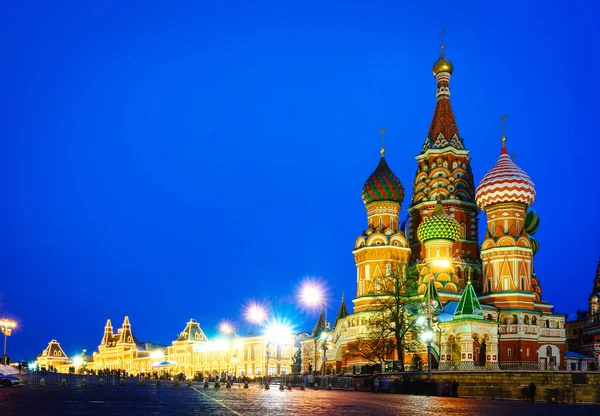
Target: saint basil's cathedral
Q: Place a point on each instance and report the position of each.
(489, 310)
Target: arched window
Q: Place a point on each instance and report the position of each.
(533, 320)
(503, 319)
(526, 320)
(547, 323)
(513, 319)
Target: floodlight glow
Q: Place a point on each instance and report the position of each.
(32, 366)
(324, 335)
(226, 328)
(427, 336)
(7, 323)
(157, 355)
(77, 361)
(238, 344)
(221, 345)
(442, 263)
(312, 294)
(279, 333)
(420, 320)
(256, 313)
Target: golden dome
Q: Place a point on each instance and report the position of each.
(442, 64)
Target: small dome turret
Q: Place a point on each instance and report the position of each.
(442, 65)
(505, 182)
(382, 185)
(438, 226)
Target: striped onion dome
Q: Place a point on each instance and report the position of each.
(438, 226)
(382, 185)
(505, 182)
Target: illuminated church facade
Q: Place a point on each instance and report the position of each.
(488, 300)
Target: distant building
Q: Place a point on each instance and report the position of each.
(192, 353)
(53, 357)
(583, 332)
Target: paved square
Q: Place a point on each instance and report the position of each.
(151, 400)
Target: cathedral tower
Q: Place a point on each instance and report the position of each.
(444, 173)
(438, 233)
(382, 246)
(505, 193)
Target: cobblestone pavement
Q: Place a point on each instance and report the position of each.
(151, 400)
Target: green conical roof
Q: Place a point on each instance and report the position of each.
(342, 312)
(320, 326)
(438, 226)
(468, 306)
(431, 294)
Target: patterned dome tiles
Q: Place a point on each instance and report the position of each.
(382, 185)
(505, 182)
(438, 226)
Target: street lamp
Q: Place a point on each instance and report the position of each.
(226, 328)
(277, 333)
(6, 326)
(324, 336)
(429, 306)
(256, 313)
(237, 345)
(313, 294)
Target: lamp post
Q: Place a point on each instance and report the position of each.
(237, 345)
(235, 361)
(312, 294)
(323, 337)
(429, 306)
(277, 333)
(266, 376)
(6, 326)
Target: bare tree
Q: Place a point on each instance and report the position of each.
(396, 306)
(372, 347)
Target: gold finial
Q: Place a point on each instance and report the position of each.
(469, 275)
(442, 36)
(503, 121)
(442, 64)
(382, 132)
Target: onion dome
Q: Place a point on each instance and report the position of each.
(535, 246)
(532, 222)
(442, 64)
(382, 185)
(438, 226)
(505, 182)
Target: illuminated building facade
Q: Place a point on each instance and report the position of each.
(53, 357)
(192, 353)
(493, 315)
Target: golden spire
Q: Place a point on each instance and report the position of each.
(442, 46)
(442, 64)
(503, 121)
(382, 132)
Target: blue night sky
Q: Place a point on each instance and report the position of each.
(175, 161)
